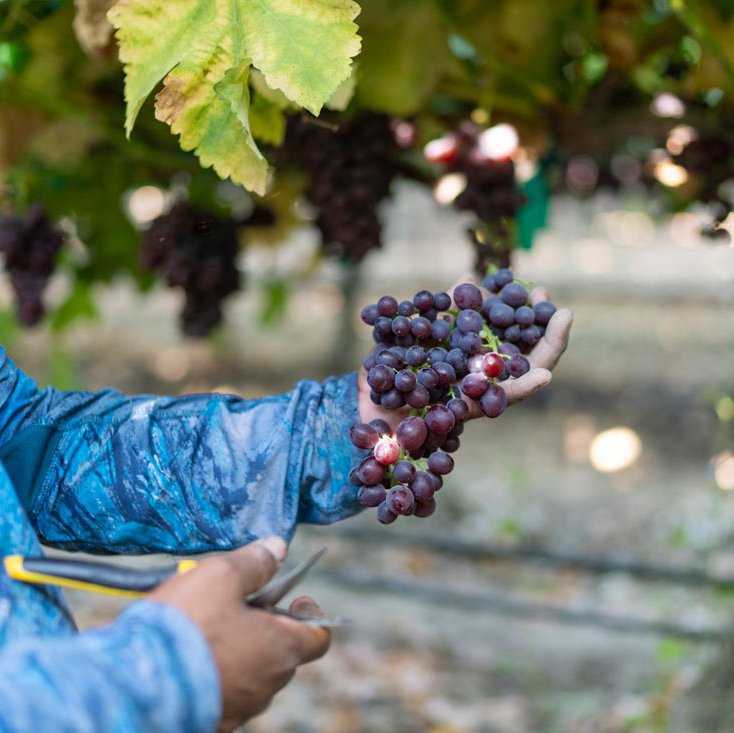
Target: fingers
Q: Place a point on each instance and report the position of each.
(254, 564)
(550, 348)
(522, 387)
(312, 642)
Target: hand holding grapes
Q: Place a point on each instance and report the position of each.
(438, 361)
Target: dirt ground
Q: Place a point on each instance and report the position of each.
(652, 350)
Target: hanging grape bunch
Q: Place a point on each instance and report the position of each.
(350, 171)
(30, 245)
(197, 252)
(427, 355)
(483, 161)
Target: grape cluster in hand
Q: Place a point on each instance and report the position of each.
(429, 352)
(196, 251)
(30, 245)
(350, 171)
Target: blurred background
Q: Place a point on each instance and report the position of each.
(578, 572)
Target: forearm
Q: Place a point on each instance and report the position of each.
(149, 671)
(190, 474)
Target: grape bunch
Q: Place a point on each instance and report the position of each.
(30, 245)
(350, 171)
(484, 159)
(429, 351)
(196, 251)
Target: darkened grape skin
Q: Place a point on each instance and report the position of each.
(474, 385)
(387, 305)
(441, 301)
(468, 295)
(514, 294)
(380, 426)
(381, 378)
(494, 401)
(424, 509)
(371, 495)
(543, 312)
(371, 472)
(439, 419)
(451, 445)
(459, 408)
(422, 486)
(363, 435)
(411, 432)
(404, 472)
(369, 314)
(384, 515)
(440, 463)
(400, 499)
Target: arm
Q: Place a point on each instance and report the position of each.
(150, 671)
(103, 472)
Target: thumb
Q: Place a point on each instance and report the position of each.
(256, 563)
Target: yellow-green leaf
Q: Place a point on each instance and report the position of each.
(210, 113)
(156, 35)
(302, 47)
(267, 120)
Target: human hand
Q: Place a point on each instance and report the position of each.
(256, 652)
(543, 358)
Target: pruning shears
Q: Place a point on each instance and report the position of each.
(109, 579)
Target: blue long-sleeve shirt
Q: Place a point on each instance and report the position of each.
(104, 473)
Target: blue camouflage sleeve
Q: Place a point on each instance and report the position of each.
(105, 472)
(149, 671)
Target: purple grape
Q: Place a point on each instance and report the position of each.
(494, 401)
(474, 363)
(405, 380)
(451, 445)
(474, 385)
(512, 333)
(384, 515)
(431, 315)
(371, 472)
(437, 354)
(423, 300)
(460, 410)
(530, 335)
(543, 312)
(471, 343)
(502, 315)
(518, 365)
(387, 306)
(400, 499)
(411, 432)
(383, 328)
(419, 397)
(457, 359)
(422, 486)
(404, 472)
(525, 315)
(389, 358)
(371, 495)
(441, 301)
(433, 442)
(437, 480)
(376, 397)
(469, 321)
(393, 399)
(489, 283)
(369, 314)
(416, 356)
(503, 277)
(354, 479)
(363, 435)
(467, 295)
(424, 509)
(380, 426)
(401, 326)
(406, 308)
(421, 328)
(428, 378)
(439, 419)
(381, 378)
(445, 372)
(440, 463)
(440, 330)
(490, 303)
(508, 349)
(369, 361)
(458, 428)
(514, 294)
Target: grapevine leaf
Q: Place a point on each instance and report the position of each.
(267, 120)
(302, 47)
(272, 95)
(155, 35)
(210, 113)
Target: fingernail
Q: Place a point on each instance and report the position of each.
(275, 546)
